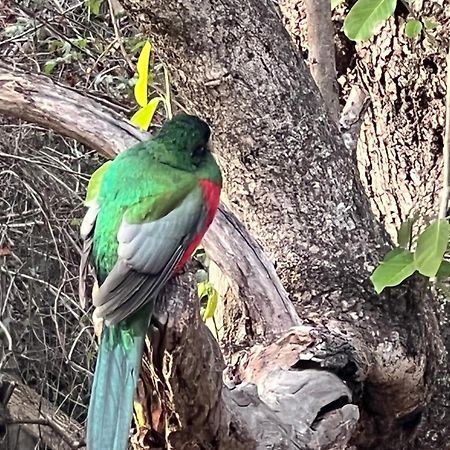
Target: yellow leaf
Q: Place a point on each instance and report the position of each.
(94, 184)
(140, 89)
(139, 414)
(143, 117)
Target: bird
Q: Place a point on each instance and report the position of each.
(148, 211)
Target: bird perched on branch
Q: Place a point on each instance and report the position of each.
(149, 209)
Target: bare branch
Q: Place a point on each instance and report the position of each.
(41, 419)
(38, 99)
(321, 57)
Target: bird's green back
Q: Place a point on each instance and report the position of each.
(145, 183)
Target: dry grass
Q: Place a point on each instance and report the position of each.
(51, 346)
(46, 339)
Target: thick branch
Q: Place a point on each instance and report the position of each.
(321, 55)
(37, 99)
(40, 100)
(269, 404)
(40, 419)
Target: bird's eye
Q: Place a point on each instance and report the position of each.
(199, 151)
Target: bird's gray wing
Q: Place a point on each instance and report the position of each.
(147, 256)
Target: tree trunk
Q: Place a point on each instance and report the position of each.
(294, 185)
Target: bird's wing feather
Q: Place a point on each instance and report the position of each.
(148, 254)
(87, 234)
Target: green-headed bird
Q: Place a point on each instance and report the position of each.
(149, 209)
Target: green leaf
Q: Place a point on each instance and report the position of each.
(365, 16)
(143, 117)
(94, 6)
(431, 246)
(136, 47)
(336, 3)
(444, 270)
(76, 222)
(397, 265)
(211, 305)
(206, 289)
(140, 89)
(413, 28)
(49, 66)
(95, 183)
(81, 42)
(430, 24)
(404, 234)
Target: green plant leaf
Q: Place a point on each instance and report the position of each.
(206, 289)
(404, 234)
(444, 270)
(94, 6)
(365, 16)
(94, 184)
(431, 246)
(49, 66)
(143, 117)
(136, 47)
(336, 3)
(430, 24)
(413, 28)
(211, 305)
(397, 265)
(140, 89)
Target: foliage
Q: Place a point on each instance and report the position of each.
(95, 182)
(144, 115)
(413, 28)
(427, 258)
(207, 294)
(366, 16)
(336, 3)
(94, 6)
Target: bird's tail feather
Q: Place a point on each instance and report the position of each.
(114, 386)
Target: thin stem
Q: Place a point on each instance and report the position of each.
(119, 36)
(168, 99)
(446, 150)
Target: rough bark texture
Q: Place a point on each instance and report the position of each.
(400, 151)
(406, 83)
(294, 184)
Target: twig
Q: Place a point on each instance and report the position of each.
(446, 150)
(8, 336)
(50, 27)
(119, 37)
(168, 99)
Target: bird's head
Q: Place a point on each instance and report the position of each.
(186, 138)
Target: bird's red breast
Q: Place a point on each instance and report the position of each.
(211, 196)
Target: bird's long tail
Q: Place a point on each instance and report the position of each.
(115, 380)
